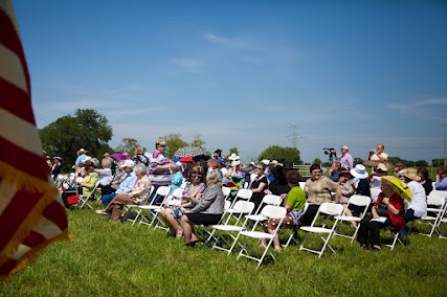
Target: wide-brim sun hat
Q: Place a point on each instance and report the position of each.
(235, 162)
(233, 157)
(398, 187)
(265, 162)
(359, 171)
(410, 173)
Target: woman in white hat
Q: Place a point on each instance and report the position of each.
(361, 175)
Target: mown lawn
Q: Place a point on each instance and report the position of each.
(125, 260)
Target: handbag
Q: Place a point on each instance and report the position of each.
(73, 200)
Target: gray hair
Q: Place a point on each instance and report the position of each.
(213, 177)
(140, 169)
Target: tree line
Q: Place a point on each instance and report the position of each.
(91, 130)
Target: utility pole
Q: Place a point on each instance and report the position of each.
(294, 135)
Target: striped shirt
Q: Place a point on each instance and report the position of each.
(158, 175)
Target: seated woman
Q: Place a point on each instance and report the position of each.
(105, 173)
(294, 203)
(191, 197)
(417, 207)
(258, 185)
(90, 179)
(318, 190)
(138, 195)
(389, 205)
(425, 180)
(209, 210)
(127, 184)
(334, 172)
(441, 180)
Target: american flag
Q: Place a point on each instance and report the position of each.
(30, 215)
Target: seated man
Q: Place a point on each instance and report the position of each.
(126, 186)
(137, 196)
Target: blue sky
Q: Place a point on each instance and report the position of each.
(239, 73)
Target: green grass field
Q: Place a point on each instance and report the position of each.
(125, 260)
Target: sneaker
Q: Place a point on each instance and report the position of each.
(101, 212)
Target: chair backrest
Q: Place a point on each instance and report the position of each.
(227, 204)
(244, 207)
(360, 200)
(436, 199)
(163, 191)
(271, 199)
(178, 193)
(226, 191)
(332, 209)
(274, 212)
(302, 185)
(244, 194)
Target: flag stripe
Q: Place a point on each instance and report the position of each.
(11, 97)
(21, 159)
(15, 213)
(20, 132)
(56, 213)
(11, 69)
(10, 39)
(7, 192)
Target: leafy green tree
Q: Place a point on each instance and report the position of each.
(437, 162)
(173, 143)
(198, 142)
(86, 128)
(128, 145)
(233, 150)
(285, 155)
(317, 161)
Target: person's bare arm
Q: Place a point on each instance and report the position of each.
(260, 188)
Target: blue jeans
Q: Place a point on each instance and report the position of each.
(107, 198)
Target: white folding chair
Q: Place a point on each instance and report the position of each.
(128, 207)
(173, 199)
(302, 184)
(226, 191)
(244, 194)
(270, 212)
(269, 199)
(84, 201)
(360, 201)
(332, 212)
(437, 202)
(153, 209)
(241, 208)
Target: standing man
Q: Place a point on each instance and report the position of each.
(380, 156)
(159, 168)
(346, 160)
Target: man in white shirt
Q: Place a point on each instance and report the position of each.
(380, 155)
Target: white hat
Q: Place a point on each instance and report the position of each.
(359, 171)
(233, 157)
(127, 163)
(235, 162)
(274, 162)
(266, 162)
(345, 147)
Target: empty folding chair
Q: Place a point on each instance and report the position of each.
(174, 200)
(358, 201)
(243, 194)
(269, 199)
(153, 209)
(330, 212)
(436, 201)
(84, 200)
(241, 208)
(270, 212)
(226, 191)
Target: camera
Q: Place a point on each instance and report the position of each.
(331, 152)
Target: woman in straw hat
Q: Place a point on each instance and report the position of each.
(387, 211)
(417, 208)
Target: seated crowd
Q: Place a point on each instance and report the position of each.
(120, 183)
